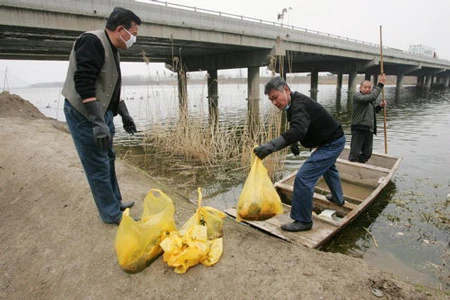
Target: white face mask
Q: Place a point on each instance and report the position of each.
(130, 41)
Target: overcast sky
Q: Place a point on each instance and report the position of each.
(404, 23)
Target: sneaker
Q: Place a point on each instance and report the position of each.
(297, 226)
(330, 198)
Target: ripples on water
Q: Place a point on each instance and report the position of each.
(410, 219)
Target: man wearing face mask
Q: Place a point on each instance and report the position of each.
(92, 99)
(312, 126)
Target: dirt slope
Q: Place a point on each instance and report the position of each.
(54, 246)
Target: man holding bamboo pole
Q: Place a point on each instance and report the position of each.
(364, 121)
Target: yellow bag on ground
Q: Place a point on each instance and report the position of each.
(137, 242)
(258, 200)
(198, 241)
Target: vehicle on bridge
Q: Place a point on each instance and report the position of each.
(422, 50)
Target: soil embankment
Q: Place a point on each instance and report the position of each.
(54, 246)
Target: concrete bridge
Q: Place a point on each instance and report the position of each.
(191, 39)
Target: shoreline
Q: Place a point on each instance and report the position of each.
(328, 80)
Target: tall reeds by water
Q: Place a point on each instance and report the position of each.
(224, 145)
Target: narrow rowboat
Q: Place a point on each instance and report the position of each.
(361, 184)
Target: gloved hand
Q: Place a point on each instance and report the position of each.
(99, 128)
(295, 149)
(272, 146)
(127, 120)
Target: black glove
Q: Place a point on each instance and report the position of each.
(99, 128)
(272, 146)
(127, 120)
(295, 149)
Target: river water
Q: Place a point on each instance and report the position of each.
(409, 223)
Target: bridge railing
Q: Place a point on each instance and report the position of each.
(261, 21)
(273, 23)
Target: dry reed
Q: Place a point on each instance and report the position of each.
(226, 145)
(213, 145)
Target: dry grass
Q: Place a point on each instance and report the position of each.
(226, 145)
(220, 145)
(197, 143)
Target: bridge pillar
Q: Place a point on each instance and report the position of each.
(375, 80)
(338, 87)
(398, 88)
(314, 85)
(400, 78)
(419, 81)
(253, 82)
(339, 82)
(429, 80)
(351, 84)
(338, 92)
(213, 98)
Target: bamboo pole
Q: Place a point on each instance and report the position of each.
(382, 90)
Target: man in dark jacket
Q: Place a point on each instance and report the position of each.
(364, 121)
(312, 126)
(92, 92)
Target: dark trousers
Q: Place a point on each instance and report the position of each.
(361, 146)
(99, 166)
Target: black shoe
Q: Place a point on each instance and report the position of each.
(330, 198)
(297, 226)
(125, 205)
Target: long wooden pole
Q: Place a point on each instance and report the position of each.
(382, 91)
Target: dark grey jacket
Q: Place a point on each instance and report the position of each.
(364, 110)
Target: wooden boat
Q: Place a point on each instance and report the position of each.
(361, 183)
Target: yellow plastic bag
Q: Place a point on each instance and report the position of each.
(258, 200)
(137, 242)
(198, 241)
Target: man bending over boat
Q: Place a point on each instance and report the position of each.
(312, 126)
(364, 121)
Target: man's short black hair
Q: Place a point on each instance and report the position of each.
(121, 17)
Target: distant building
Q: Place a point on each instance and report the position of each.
(422, 50)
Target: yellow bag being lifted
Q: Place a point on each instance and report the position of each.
(258, 200)
(198, 241)
(137, 242)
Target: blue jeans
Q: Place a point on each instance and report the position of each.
(98, 165)
(321, 162)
